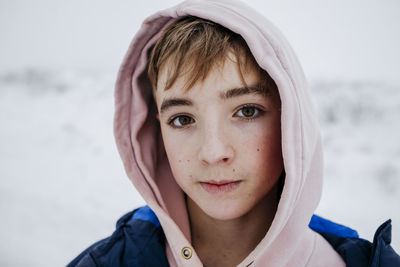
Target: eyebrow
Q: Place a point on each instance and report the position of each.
(231, 93)
(235, 92)
(171, 102)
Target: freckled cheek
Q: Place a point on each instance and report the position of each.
(176, 158)
(180, 160)
(262, 151)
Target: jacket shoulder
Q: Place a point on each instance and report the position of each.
(357, 252)
(137, 241)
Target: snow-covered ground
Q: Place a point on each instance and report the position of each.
(361, 127)
(63, 186)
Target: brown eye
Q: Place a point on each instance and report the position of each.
(181, 121)
(248, 111)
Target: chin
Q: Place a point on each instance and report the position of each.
(225, 212)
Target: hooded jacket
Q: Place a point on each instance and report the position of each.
(289, 241)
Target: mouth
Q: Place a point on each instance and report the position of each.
(220, 187)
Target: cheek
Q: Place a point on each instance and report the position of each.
(263, 153)
(179, 158)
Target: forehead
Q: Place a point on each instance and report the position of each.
(222, 84)
(221, 77)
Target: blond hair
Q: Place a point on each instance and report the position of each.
(193, 46)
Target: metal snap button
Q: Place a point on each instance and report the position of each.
(186, 253)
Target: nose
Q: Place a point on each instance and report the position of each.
(216, 147)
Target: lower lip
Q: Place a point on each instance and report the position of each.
(220, 188)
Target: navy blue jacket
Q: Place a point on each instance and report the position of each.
(139, 241)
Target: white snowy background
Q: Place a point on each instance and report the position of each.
(62, 185)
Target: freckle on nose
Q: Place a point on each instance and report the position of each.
(188, 160)
(258, 149)
(233, 170)
(180, 160)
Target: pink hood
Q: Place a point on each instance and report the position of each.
(289, 241)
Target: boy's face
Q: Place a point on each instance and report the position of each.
(223, 141)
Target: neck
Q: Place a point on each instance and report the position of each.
(216, 241)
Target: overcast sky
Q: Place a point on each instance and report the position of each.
(337, 39)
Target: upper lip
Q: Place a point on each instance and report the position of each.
(220, 182)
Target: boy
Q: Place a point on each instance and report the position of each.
(216, 129)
